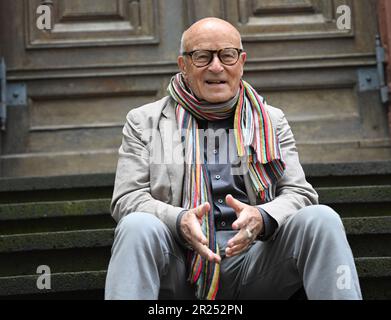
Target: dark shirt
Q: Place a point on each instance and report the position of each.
(221, 157)
(218, 152)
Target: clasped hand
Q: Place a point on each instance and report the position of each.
(248, 217)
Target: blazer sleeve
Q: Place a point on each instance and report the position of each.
(132, 191)
(293, 192)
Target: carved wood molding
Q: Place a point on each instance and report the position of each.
(91, 23)
(275, 20)
(198, 9)
(170, 67)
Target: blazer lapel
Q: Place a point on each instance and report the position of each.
(252, 197)
(172, 151)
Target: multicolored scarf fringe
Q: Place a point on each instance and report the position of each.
(256, 144)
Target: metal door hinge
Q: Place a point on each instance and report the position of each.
(381, 61)
(11, 94)
(370, 79)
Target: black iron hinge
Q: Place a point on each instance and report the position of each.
(11, 94)
(370, 79)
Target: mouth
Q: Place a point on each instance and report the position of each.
(215, 82)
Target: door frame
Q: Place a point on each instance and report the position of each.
(384, 12)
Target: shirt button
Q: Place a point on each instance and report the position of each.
(218, 177)
(214, 151)
(220, 201)
(223, 223)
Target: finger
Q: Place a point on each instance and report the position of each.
(205, 252)
(237, 248)
(230, 252)
(238, 239)
(234, 204)
(241, 221)
(202, 209)
(197, 234)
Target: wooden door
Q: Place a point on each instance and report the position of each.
(301, 60)
(101, 58)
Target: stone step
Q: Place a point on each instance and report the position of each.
(356, 194)
(352, 201)
(72, 259)
(42, 164)
(368, 200)
(56, 240)
(56, 188)
(369, 236)
(108, 136)
(55, 216)
(376, 228)
(74, 139)
(353, 198)
(341, 152)
(347, 169)
(105, 160)
(54, 209)
(370, 270)
(15, 189)
(348, 174)
(345, 128)
(367, 225)
(60, 282)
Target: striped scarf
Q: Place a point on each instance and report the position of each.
(256, 144)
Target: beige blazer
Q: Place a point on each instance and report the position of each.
(150, 168)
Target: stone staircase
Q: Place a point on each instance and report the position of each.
(64, 223)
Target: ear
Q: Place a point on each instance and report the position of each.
(182, 65)
(243, 58)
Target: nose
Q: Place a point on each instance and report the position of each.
(216, 65)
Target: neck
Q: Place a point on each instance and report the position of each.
(201, 109)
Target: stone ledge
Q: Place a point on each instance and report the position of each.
(347, 168)
(104, 237)
(60, 282)
(54, 209)
(56, 240)
(107, 179)
(376, 267)
(367, 268)
(357, 194)
(367, 225)
(57, 182)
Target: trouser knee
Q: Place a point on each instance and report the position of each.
(319, 218)
(140, 227)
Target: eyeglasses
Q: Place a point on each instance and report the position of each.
(201, 58)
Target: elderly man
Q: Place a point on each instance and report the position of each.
(210, 198)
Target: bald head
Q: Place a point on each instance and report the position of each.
(209, 27)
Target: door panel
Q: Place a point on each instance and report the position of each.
(274, 20)
(94, 23)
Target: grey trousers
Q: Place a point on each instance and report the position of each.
(309, 250)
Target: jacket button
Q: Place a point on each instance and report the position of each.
(221, 201)
(218, 177)
(223, 223)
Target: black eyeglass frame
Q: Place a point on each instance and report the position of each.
(190, 54)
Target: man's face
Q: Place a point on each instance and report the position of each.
(215, 82)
